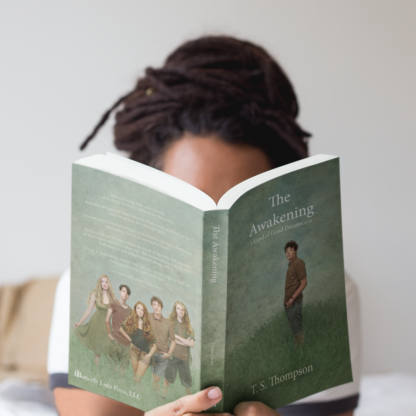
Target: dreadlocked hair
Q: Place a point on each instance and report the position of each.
(213, 85)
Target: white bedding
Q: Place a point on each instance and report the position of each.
(387, 394)
(18, 398)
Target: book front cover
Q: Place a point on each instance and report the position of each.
(136, 264)
(287, 333)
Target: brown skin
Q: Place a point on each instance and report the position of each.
(214, 167)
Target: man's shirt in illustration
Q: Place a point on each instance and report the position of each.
(182, 352)
(163, 332)
(296, 271)
(120, 314)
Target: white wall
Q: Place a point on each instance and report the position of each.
(352, 62)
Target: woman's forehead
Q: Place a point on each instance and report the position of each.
(212, 165)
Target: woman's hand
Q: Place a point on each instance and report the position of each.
(77, 324)
(111, 337)
(254, 409)
(146, 359)
(191, 405)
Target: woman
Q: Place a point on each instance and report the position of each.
(219, 111)
(138, 330)
(93, 335)
(185, 340)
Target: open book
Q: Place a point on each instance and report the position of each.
(217, 297)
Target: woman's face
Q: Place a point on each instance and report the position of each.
(140, 310)
(104, 283)
(212, 165)
(180, 310)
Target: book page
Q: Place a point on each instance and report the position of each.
(151, 243)
(279, 350)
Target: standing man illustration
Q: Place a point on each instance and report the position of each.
(120, 312)
(294, 286)
(163, 331)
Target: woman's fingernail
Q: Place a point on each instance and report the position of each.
(214, 393)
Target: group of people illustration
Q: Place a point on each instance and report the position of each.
(134, 335)
(148, 339)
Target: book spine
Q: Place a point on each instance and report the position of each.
(214, 301)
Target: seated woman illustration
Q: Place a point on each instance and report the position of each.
(181, 359)
(93, 335)
(138, 330)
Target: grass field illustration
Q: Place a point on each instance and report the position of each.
(322, 362)
(106, 380)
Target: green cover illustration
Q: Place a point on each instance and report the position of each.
(225, 279)
(153, 244)
(262, 361)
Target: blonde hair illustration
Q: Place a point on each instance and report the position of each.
(98, 292)
(186, 321)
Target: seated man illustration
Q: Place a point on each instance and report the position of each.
(120, 312)
(294, 286)
(163, 331)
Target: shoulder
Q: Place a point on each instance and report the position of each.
(112, 305)
(299, 264)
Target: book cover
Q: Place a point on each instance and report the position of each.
(220, 277)
(263, 360)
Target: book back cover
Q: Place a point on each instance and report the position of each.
(139, 253)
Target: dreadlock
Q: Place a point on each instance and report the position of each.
(213, 85)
